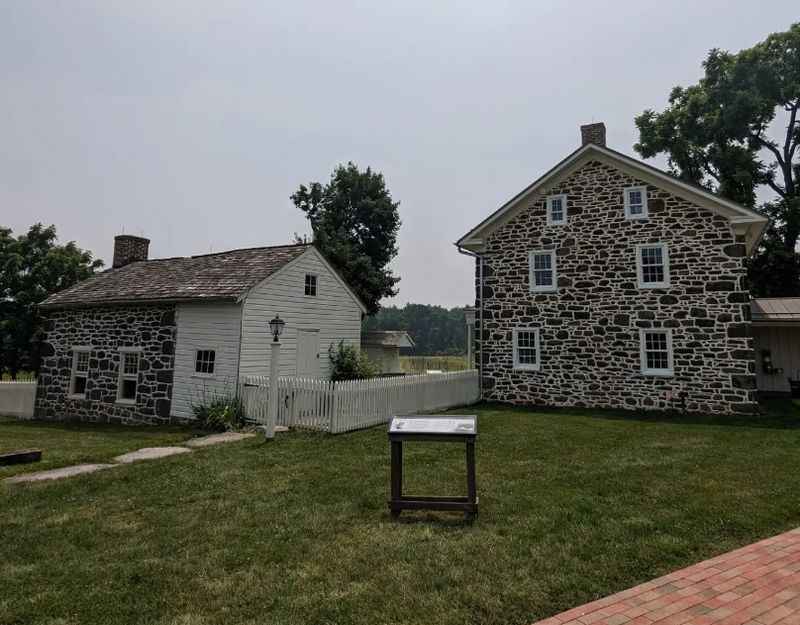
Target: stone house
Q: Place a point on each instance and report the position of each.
(147, 339)
(609, 283)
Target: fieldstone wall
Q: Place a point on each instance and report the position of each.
(590, 354)
(106, 330)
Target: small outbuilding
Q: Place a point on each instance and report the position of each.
(382, 347)
(776, 340)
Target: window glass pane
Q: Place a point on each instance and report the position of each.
(204, 362)
(557, 209)
(311, 284)
(656, 350)
(130, 364)
(543, 278)
(79, 387)
(542, 261)
(652, 260)
(128, 390)
(82, 363)
(526, 348)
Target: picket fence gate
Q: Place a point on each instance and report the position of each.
(351, 405)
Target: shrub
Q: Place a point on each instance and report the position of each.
(219, 413)
(348, 363)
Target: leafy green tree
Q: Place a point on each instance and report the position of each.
(436, 331)
(737, 132)
(355, 223)
(32, 266)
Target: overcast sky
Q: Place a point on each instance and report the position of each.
(192, 122)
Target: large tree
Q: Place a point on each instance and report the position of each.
(32, 266)
(355, 223)
(737, 132)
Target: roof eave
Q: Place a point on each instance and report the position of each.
(137, 302)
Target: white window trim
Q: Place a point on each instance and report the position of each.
(643, 214)
(550, 220)
(527, 366)
(316, 284)
(199, 374)
(640, 274)
(665, 373)
(532, 283)
(76, 349)
(121, 375)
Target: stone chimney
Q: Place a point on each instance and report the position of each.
(594, 133)
(129, 249)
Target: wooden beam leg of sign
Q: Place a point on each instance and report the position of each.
(472, 492)
(397, 477)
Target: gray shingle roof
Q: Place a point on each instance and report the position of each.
(387, 338)
(775, 309)
(221, 276)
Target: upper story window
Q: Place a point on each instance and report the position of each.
(656, 352)
(526, 349)
(311, 284)
(80, 371)
(204, 361)
(542, 271)
(635, 202)
(652, 265)
(128, 374)
(556, 210)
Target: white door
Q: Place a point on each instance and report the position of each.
(308, 353)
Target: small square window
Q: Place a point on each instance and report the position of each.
(556, 210)
(635, 202)
(652, 265)
(656, 352)
(542, 271)
(204, 361)
(526, 348)
(311, 284)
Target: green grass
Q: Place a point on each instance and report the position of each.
(64, 444)
(573, 506)
(420, 364)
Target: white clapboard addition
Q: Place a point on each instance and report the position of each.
(343, 406)
(205, 327)
(320, 320)
(16, 399)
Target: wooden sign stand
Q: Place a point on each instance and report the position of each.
(435, 428)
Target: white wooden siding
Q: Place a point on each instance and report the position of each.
(783, 342)
(205, 326)
(333, 311)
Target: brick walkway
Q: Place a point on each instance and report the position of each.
(756, 585)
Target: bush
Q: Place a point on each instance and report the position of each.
(348, 363)
(219, 413)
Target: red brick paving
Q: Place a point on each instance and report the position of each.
(756, 585)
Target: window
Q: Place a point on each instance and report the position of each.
(311, 284)
(128, 374)
(636, 203)
(656, 352)
(556, 210)
(526, 349)
(204, 361)
(542, 270)
(80, 371)
(652, 265)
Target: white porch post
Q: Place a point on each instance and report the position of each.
(272, 407)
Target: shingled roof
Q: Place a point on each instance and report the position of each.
(222, 276)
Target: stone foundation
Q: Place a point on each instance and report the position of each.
(151, 328)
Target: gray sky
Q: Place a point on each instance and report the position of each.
(192, 122)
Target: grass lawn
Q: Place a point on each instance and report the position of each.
(63, 444)
(573, 507)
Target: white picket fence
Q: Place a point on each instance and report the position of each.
(343, 406)
(17, 398)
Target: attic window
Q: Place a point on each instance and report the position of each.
(556, 210)
(311, 284)
(636, 203)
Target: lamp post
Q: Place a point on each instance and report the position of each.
(276, 328)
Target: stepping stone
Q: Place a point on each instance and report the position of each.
(150, 453)
(57, 474)
(216, 439)
(20, 456)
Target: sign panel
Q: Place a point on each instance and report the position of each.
(433, 425)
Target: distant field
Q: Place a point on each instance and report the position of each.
(22, 376)
(420, 364)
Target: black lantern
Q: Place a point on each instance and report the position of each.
(276, 327)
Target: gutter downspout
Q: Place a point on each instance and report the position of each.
(479, 312)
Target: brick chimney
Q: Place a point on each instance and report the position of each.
(594, 133)
(129, 249)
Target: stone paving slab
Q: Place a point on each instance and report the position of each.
(57, 474)
(756, 585)
(216, 439)
(150, 453)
